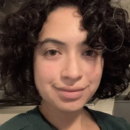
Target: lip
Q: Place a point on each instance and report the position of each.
(70, 89)
(70, 95)
(67, 93)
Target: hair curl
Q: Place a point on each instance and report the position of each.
(19, 34)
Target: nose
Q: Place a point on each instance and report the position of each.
(72, 70)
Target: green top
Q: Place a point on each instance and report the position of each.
(34, 120)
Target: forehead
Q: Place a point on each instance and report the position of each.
(62, 24)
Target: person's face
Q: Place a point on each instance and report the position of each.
(67, 72)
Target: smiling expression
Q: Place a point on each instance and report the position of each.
(67, 72)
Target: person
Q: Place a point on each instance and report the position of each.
(61, 53)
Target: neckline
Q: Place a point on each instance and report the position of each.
(39, 120)
(97, 118)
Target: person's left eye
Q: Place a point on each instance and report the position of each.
(91, 53)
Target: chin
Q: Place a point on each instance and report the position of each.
(71, 107)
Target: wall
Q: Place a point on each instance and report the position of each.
(125, 4)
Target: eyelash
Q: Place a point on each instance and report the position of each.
(46, 53)
(91, 53)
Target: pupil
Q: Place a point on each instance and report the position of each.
(52, 52)
(89, 53)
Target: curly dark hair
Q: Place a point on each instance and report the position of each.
(19, 37)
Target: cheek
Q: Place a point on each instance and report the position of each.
(95, 72)
(46, 72)
(96, 77)
(44, 76)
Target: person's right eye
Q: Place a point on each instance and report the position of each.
(51, 52)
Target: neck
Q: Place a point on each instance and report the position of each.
(65, 120)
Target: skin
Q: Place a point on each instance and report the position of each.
(67, 72)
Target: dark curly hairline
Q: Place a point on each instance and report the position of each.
(20, 55)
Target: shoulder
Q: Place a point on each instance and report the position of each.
(17, 123)
(111, 122)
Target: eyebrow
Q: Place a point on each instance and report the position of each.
(55, 41)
